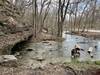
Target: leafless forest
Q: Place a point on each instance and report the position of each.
(53, 15)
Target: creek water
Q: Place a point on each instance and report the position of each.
(45, 52)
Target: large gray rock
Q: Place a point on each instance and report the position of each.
(7, 58)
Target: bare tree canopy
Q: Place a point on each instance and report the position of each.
(64, 14)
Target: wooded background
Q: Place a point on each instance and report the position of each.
(53, 15)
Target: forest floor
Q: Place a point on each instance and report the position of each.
(51, 69)
(45, 36)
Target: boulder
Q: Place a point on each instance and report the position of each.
(7, 58)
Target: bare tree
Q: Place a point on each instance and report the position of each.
(45, 13)
(62, 15)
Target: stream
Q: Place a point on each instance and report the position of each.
(44, 52)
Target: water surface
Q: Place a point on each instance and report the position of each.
(53, 52)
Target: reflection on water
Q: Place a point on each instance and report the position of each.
(61, 51)
(85, 43)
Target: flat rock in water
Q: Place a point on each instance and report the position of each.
(40, 59)
(45, 41)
